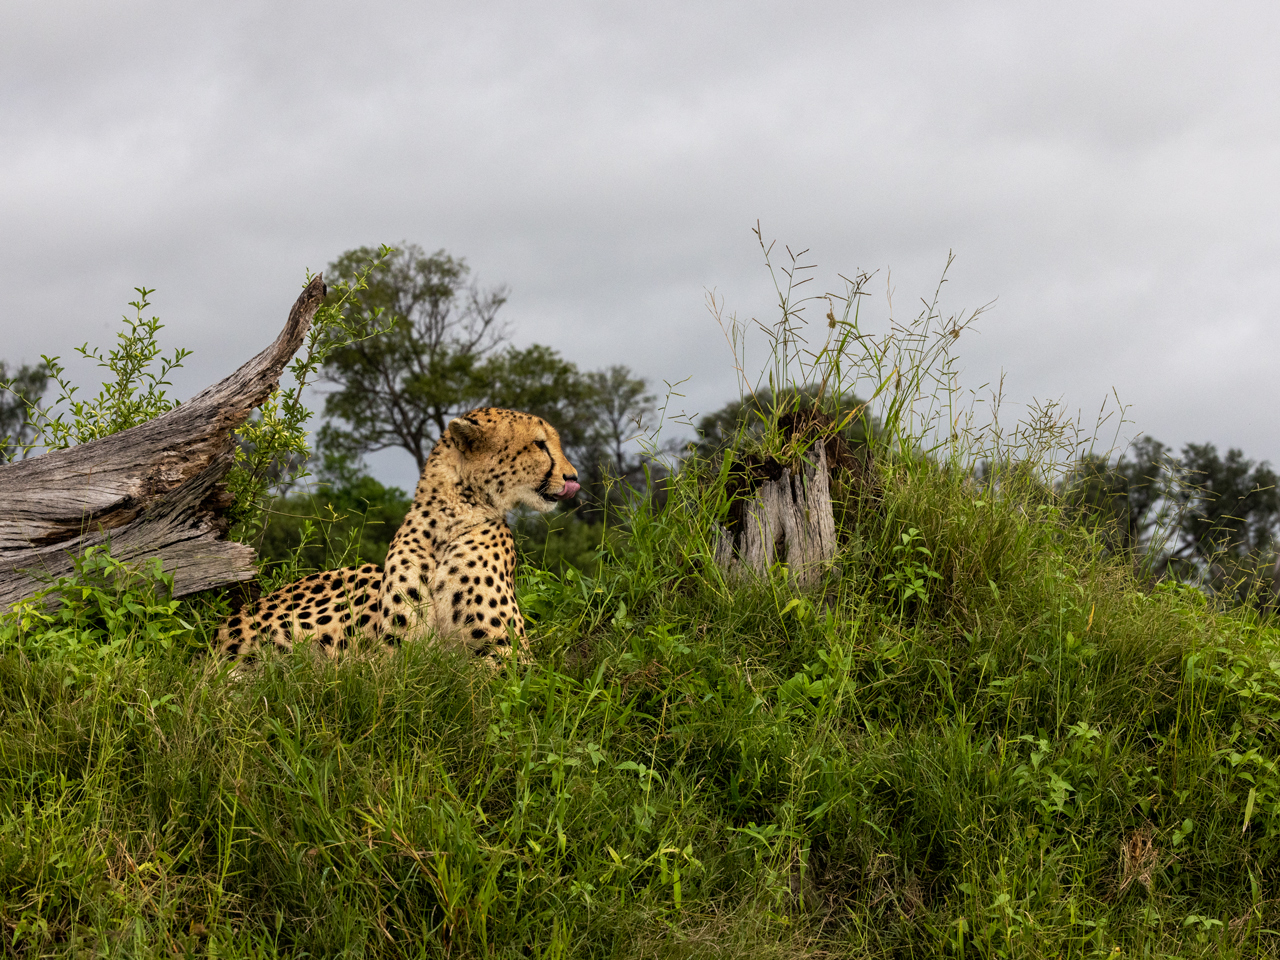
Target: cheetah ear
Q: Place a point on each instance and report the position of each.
(467, 432)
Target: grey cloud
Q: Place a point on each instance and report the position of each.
(1106, 173)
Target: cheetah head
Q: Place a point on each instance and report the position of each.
(515, 458)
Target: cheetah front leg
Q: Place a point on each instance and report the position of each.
(476, 599)
(405, 602)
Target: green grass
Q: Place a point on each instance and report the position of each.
(980, 736)
(691, 770)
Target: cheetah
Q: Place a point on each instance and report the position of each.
(450, 567)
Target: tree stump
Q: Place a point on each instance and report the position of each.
(151, 491)
(788, 519)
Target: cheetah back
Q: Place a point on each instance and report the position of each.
(337, 608)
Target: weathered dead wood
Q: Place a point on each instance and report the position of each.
(789, 519)
(150, 491)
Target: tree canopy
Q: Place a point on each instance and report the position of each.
(435, 348)
(434, 328)
(1201, 516)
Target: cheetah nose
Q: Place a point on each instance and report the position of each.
(571, 487)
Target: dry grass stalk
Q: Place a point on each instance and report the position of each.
(1138, 858)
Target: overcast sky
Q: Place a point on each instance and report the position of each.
(1107, 173)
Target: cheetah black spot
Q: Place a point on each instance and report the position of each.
(400, 620)
(488, 581)
(323, 620)
(478, 634)
(233, 648)
(364, 619)
(414, 595)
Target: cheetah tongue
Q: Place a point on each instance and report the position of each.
(570, 488)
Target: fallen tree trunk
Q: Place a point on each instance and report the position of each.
(151, 491)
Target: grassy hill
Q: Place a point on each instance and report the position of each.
(980, 737)
(1035, 756)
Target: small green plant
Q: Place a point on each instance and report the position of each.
(910, 571)
(105, 611)
(134, 394)
(272, 452)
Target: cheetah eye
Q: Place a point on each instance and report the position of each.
(542, 444)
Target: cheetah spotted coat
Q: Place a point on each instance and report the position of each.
(450, 567)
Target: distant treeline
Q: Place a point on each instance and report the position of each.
(427, 343)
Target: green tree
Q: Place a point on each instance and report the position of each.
(1203, 517)
(440, 351)
(1229, 504)
(1127, 500)
(20, 396)
(622, 408)
(337, 525)
(436, 350)
(435, 328)
(538, 380)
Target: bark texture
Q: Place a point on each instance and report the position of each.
(151, 491)
(788, 519)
